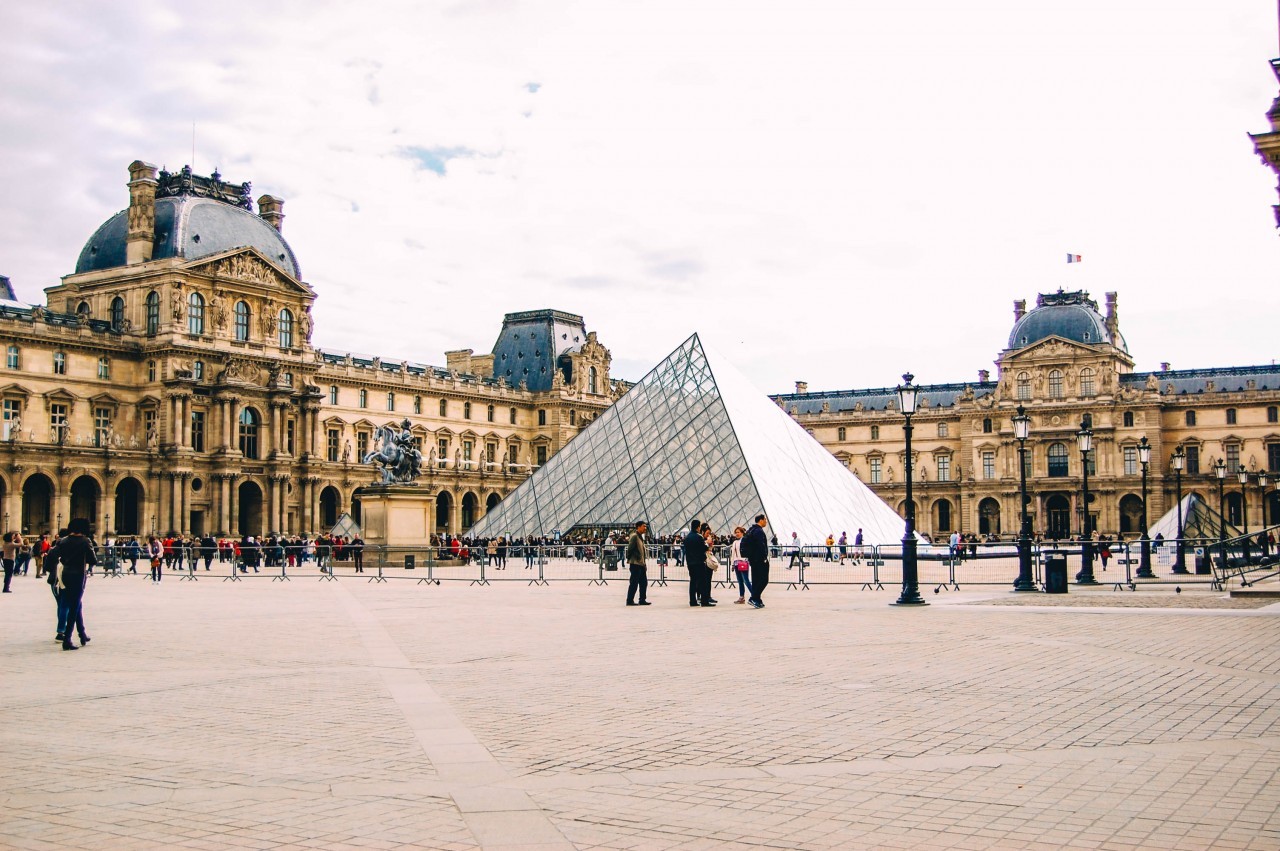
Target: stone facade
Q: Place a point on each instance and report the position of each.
(171, 383)
(1066, 363)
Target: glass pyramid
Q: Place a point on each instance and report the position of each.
(1198, 521)
(692, 439)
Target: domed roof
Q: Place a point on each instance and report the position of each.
(190, 227)
(1071, 316)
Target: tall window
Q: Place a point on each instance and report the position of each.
(943, 430)
(1233, 457)
(151, 370)
(513, 454)
(104, 367)
(875, 432)
(989, 464)
(573, 418)
(362, 444)
(1130, 460)
(364, 398)
(1193, 460)
(1087, 385)
(331, 444)
(13, 359)
(197, 370)
(195, 314)
(488, 414)
(986, 425)
(290, 435)
(468, 447)
(417, 404)
(12, 417)
(876, 466)
(593, 381)
(249, 433)
(841, 433)
(333, 394)
(1273, 414)
(466, 410)
(101, 427)
(284, 327)
(59, 363)
(512, 414)
(1024, 385)
(153, 313)
(242, 321)
(542, 417)
(540, 454)
(1057, 457)
(442, 452)
(1055, 384)
(944, 468)
(444, 407)
(1191, 418)
(1231, 416)
(150, 423)
(117, 313)
(1273, 454)
(490, 452)
(197, 431)
(57, 422)
(1128, 419)
(391, 401)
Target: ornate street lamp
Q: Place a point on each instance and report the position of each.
(1084, 440)
(910, 595)
(1021, 428)
(1242, 476)
(1220, 470)
(1144, 563)
(1262, 497)
(1178, 462)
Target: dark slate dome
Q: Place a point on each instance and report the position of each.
(1071, 316)
(190, 228)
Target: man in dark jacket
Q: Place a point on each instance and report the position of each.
(637, 556)
(74, 556)
(695, 559)
(755, 549)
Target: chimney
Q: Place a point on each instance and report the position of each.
(1019, 309)
(141, 237)
(271, 211)
(802, 387)
(458, 360)
(1164, 366)
(984, 376)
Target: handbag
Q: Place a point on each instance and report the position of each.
(741, 565)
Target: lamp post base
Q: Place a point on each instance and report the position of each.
(910, 595)
(1180, 561)
(1025, 581)
(1144, 561)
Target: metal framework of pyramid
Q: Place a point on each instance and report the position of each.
(693, 439)
(1198, 521)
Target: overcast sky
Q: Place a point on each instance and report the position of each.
(835, 191)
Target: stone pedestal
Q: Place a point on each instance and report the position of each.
(396, 515)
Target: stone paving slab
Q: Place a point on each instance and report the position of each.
(354, 715)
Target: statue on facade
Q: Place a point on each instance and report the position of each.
(395, 455)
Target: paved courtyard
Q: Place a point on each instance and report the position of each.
(318, 715)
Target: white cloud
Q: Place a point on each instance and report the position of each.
(829, 191)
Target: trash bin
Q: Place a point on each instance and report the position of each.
(409, 561)
(1055, 573)
(1202, 563)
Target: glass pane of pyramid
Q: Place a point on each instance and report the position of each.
(1198, 521)
(692, 439)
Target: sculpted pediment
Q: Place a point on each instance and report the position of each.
(249, 266)
(1052, 347)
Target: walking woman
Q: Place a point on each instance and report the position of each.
(740, 566)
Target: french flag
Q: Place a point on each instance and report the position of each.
(1073, 258)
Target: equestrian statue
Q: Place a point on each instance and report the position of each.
(395, 455)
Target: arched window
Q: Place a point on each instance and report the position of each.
(512, 414)
(117, 313)
(197, 370)
(82, 309)
(391, 401)
(1058, 460)
(153, 313)
(195, 314)
(286, 328)
(842, 434)
(489, 413)
(417, 404)
(444, 407)
(364, 398)
(466, 410)
(333, 394)
(573, 417)
(1055, 384)
(593, 381)
(1087, 385)
(875, 432)
(242, 320)
(249, 433)
(986, 425)
(1128, 419)
(59, 363)
(104, 367)
(1024, 385)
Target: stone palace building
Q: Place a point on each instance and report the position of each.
(171, 383)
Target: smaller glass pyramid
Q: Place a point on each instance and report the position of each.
(1198, 521)
(694, 439)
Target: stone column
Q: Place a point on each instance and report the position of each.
(164, 491)
(186, 420)
(233, 502)
(184, 503)
(224, 502)
(455, 515)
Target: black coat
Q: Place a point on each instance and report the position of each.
(695, 550)
(755, 547)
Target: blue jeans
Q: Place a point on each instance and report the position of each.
(70, 611)
(744, 584)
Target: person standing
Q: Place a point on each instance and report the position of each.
(755, 549)
(357, 553)
(155, 552)
(12, 541)
(857, 548)
(844, 546)
(637, 557)
(740, 566)
(75, 555)
(695, 559)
